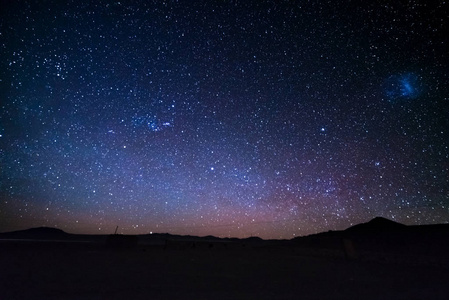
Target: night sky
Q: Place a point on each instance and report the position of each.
(229, 118)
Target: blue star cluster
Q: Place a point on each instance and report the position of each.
(226, 118)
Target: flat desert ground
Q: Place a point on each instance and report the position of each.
(83, 270)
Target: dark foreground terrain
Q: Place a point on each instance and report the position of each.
(380, 259)
(77, 270)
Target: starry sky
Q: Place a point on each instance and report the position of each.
(229, 118)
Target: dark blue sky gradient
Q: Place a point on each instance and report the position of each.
(229, 118)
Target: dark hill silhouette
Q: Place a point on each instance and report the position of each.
(376, 225)
(42, 233)
(254, 239)
(377, 229)
(381, 240)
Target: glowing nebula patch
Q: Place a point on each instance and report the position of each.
(405, 86)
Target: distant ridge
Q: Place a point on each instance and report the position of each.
(36, 233)
(377, 225)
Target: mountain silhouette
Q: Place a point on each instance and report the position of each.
(45, 233)
(377, 225)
